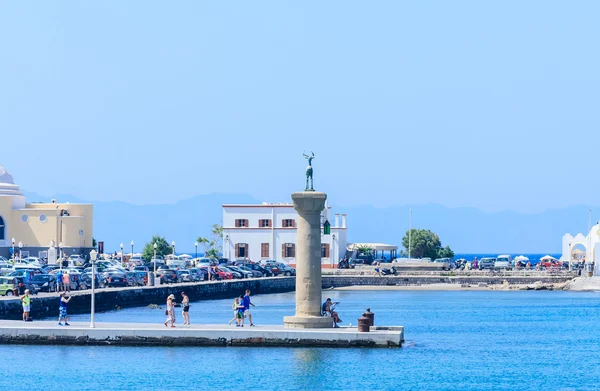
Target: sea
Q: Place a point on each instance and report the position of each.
(455, 340)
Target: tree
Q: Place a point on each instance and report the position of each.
(162, 248)
(425, 243)
(213, 245)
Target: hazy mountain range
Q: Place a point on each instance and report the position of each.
(466, 230)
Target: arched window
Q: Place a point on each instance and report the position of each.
(2, 228)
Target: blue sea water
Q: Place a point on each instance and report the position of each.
(467, 340)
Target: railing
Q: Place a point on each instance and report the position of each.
(458, 273)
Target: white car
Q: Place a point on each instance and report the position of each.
(136, 261)
(76, 259)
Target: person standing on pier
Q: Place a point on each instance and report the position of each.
(26, 301)
(185, 312)
(62, 310)
(170, 312)
(247, 303)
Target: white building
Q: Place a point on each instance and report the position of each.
(586, 245)
(268, 231)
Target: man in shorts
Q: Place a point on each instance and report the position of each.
(26, 301)
(247, 303)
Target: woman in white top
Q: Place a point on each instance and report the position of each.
(170, 312)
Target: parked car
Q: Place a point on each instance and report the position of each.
(132, 279)
(196, 274)
(44, 282)
(551, 263)
(254, 266)
(223, 261)
(114, 279)
(273, 269)
(167, 276)
(503, 262)
(447, 263)
(205, 262)
(244, 273)
(183, 276)
(5, 267)
(76, 260)
(141, 269)
(255, 273)
(23, 284)
(225, 275)
(8, 286)
(86, 280)
(234, 273)
(136, 260)
(487, 263)
(286, 270)
(264, 262)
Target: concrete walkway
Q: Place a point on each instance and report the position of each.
(49, 333)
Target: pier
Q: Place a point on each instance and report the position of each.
(141, 334)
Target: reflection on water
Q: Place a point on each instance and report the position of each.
(455, 341)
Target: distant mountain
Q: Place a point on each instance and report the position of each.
(466, 230)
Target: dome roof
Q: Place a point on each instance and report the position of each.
(5, 176)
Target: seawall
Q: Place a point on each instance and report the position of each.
(350, 280)
(46, 305)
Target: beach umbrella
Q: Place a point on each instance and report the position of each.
(548, 258)
(521, 258)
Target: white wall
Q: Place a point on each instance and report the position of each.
(276, 236)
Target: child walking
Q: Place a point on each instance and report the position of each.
(234, 307)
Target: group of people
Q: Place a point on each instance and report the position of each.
(62, 308)
(241, 310)
(170, 311)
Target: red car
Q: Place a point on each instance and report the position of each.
(223, 274)
(551, 264)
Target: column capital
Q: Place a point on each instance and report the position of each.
(307, 202)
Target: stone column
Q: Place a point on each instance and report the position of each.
(309, 205)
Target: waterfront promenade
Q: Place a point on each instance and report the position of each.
(144, 334)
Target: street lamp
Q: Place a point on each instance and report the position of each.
(122, 253)
(173, 244)
(13, 248)
(132, 248)
(155, 246)
(60, 245)
(93, 255)
(20, 247)
(196, 245)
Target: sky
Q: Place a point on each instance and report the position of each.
(492, 105)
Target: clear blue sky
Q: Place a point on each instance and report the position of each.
(465, 103)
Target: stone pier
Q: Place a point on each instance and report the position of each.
(309, 205)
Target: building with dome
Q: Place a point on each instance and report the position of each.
(39, 225)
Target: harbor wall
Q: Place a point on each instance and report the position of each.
(111, 299)
(115, 298)
(350, 280)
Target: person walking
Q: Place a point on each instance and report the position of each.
(378, 269)
(234, 307)
(66, 281)
(170, 312)
(240, 313)
(185, 312)
(247, 303)
(211, 273)
(26, 301)
(59, 277)
(62, 310)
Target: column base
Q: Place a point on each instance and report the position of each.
(308, 322)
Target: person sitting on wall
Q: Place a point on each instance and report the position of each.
(327, 309)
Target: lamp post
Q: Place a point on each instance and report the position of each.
(155, 246)
(173, 244)
(60, 245)
(333, 255)
(122, 259)
(131, 248)
(196, 245)
(20, 247)
(93, 255)
(13, 248)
